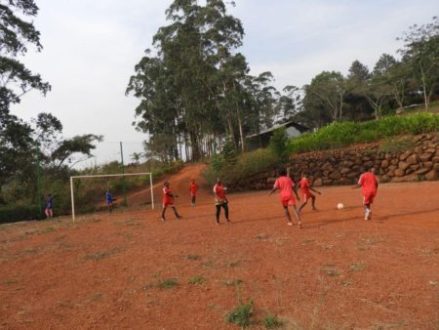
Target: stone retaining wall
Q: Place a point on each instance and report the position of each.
(344, 166)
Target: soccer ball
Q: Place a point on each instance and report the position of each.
(340, 206)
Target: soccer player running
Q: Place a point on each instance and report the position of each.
(369, 187)
(168, 201)
(109, 201)
(286, 188)
(306, 189)
(193, 188)
(221, 200)
(49, 206)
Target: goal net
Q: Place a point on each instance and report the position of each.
(89, 193)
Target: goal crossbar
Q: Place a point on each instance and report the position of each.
(72, 195)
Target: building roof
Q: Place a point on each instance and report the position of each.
(299, 127)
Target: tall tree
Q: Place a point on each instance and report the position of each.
(357, 104)
(16, 33)
(196, 54)
(394, 75)
(421, 52)
(329, 88)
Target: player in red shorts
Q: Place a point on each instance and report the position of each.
(221, 200)
(306, 189)
(286, 188)
(168, 200)
(193, 188)
(369, 186)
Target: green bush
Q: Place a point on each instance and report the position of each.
(396, 144)
(12, 213)
(247, 164)
(241, 315)
(341, 134)
(278, 143)
(272, 322)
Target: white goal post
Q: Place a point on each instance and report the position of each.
(72, 193)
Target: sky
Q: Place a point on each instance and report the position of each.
(91, 48)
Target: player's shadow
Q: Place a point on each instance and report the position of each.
(262, 219)
(387, 217)
(376, 219)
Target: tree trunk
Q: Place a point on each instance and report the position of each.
(195, 147)
(424, 90)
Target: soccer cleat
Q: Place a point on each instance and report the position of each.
(366, 214)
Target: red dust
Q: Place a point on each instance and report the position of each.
(338, 272)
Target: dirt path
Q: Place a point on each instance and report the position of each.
(129, 270)
(179, 185)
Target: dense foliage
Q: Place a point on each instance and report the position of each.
(195, 90)
(392, 84)
(340, 134)
(28, 149)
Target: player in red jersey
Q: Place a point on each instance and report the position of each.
(306, 189)
(221, 200)
(193, 188)
(369, 186)
(286, 188)
(168, 200)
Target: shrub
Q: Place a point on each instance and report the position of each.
(197, 280)
(396, 144)
(168, 283)
(278, 143)
(241, 315)
(11, 213)
(247, 164)
(272, 322)
(341, 134)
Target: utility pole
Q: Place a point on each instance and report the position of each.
(123, 177)
(40, 209)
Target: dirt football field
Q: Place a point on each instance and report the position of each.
(128, 270)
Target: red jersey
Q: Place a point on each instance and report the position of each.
(193, 188)
(220, 193)
(285, 186)
(368, 183)
(167, 199)
(304, 186)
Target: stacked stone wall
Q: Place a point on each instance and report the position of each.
(418, 162)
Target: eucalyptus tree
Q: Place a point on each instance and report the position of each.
(195, 53)
(395, 75)
(329, 89)
(373, 87)
(357, 105)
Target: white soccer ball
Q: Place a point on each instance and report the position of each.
(340, 206)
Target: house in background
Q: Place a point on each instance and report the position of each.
(262, 139)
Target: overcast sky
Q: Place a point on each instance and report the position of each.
(91, 47)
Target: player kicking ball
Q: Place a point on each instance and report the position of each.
(369, 187)
(168, 201)
(286, 188)
(305, 189)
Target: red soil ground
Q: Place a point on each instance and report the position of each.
(338, 272)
